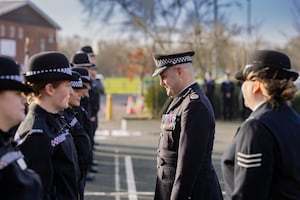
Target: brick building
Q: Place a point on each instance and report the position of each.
(25, 30)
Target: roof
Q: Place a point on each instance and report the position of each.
(9, 6)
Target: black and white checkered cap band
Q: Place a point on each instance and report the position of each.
(18, 78)
(66, 70)
(77, 84)
(172, 61)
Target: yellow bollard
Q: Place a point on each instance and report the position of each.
(108, 107)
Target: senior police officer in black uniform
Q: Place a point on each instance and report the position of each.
(17, 181)
(262, 163)
(184, 163)
(44, 136)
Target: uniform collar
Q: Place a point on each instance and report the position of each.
(184, 93)
(186, 89)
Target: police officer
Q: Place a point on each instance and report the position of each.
(44, 136)
(263, 162)
(185, 170)
(82, 114)
(227, 90)
(16, 180)
(90, 103)
(97, 86)
(80, 136)
(209, 87)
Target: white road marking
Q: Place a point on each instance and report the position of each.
(116, 193)
(132, 195)
(117, 174)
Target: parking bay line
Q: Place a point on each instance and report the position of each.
(130, 179)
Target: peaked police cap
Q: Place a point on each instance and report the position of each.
(163, 61)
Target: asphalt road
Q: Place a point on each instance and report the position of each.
(127, 155)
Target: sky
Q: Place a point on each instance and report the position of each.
(275, 17)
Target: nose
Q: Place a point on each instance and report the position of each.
(71, 91)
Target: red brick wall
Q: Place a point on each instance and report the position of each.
(41, 38)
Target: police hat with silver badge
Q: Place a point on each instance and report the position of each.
(10, 78)
(163, 61)
(270, 65)
(48, 66)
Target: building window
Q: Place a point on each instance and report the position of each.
(2, 31)
(51, 38)
(42, 44)
(12, 32)
(8, 47)
(20, 33)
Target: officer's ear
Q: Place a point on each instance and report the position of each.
(179, 70)
(256, 86)
(49, 89)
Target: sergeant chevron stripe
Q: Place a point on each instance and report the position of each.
(249, 160)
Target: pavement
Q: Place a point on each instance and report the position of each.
(120, 137)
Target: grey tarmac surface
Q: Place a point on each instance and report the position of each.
(127, 154)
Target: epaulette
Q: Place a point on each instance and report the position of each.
(10, 157)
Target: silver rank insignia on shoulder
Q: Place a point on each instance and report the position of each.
(194, 96)
(10, 157)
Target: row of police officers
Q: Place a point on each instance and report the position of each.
(48, 153)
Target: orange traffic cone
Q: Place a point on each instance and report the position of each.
(130, 108)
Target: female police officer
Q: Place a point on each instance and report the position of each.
(16, 180)
(262, 161)
(44, 136)
(80, 136)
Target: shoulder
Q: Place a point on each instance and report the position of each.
(254, 129)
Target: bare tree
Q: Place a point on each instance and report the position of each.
(70, 45)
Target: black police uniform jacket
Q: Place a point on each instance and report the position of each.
(17, 182)
(83, 118)
(263, 160)
(48, 146)
(184, 163)
(81, 139)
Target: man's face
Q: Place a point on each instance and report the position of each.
(169, 79)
